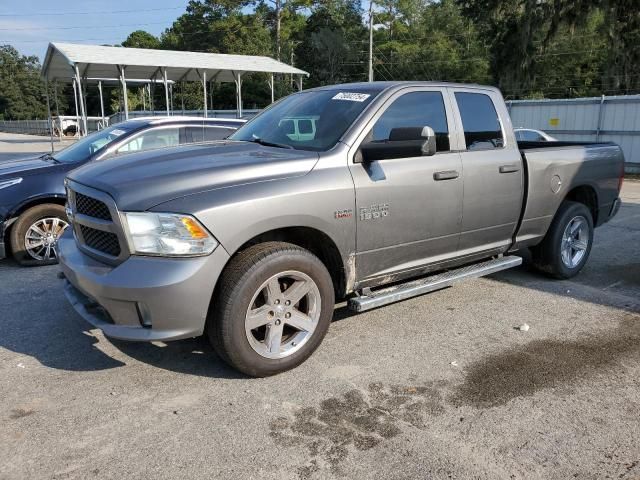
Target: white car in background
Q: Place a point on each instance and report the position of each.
(532, 135)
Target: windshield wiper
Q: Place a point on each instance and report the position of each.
(48, 156)
(266, 143)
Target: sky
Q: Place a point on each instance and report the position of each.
(29, 25)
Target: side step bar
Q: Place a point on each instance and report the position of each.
(424, 285)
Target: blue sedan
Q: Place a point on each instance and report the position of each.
(32, 194)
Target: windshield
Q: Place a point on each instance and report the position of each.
(313, 120)
(83, 149)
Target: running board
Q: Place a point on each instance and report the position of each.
(424, 285)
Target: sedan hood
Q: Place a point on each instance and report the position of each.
(24, 166)
(141, 181)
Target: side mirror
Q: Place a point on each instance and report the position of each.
(405, 142)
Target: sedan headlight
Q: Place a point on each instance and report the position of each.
(167, 234)
(9, 183)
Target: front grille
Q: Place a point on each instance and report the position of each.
(91, 207)
(104, 242)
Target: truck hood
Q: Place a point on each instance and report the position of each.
(143, 180)
(24, 166)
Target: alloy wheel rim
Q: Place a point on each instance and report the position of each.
(575, 241)
(41, 239)
(283, 314)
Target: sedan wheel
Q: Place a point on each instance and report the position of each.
(41, 238)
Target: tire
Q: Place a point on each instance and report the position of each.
(54, 220)
(548, 256)
(248, 281)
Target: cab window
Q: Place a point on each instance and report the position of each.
(417, 110)
(480, 121)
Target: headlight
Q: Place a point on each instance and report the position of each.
(9, 183)
(169, 234)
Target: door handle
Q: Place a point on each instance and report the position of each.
(446, 175)
(508, 168)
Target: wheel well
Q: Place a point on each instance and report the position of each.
(30, 204)
(586, 195)
(317, 242)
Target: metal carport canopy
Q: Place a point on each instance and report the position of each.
(105, 62)
(76, 63)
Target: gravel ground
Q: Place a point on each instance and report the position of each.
(440, 386)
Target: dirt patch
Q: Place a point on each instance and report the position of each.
(544, 364)
(17, 413)
(357, 420)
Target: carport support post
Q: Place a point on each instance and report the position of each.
(238, 79)
(204, 86)
(46, 89)
(300, 82)
(166, 90)
(75, 101)
(101, 100)
(55, 94)
(82, 108)
(271, 86)
(123, 80)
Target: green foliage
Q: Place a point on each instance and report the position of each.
(529, 48)
(22, 90)
(141, 39)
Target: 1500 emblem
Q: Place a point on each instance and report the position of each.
(374, 212)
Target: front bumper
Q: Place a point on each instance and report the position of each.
(143, 298)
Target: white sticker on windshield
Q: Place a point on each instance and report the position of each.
(351, 96)
(117, 133)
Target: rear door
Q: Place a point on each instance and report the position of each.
(493, 171)
(408, 213)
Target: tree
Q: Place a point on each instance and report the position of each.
(141, 39)
(22, 90)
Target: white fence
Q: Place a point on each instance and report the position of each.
(598, 119)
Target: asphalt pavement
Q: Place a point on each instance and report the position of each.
(440, 386)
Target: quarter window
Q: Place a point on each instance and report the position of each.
(480, 121)
(415, 109)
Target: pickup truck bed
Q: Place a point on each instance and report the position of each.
(591, 171)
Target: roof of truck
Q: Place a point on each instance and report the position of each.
(380, 86)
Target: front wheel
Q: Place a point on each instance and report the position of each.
(567, 245)
(273, 307)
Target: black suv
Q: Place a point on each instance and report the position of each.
(32, 194)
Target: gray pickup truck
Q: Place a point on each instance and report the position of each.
(374, 192)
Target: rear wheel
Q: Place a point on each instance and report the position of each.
(567, 245)
(34, 236)
(273, 308)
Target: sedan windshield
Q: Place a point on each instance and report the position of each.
(312, 120)
(84, 148)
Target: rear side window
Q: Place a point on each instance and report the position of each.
(415, 109)
(480, 121)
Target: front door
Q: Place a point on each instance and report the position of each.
(409, 209)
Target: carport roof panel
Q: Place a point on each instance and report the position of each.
(100, 61)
